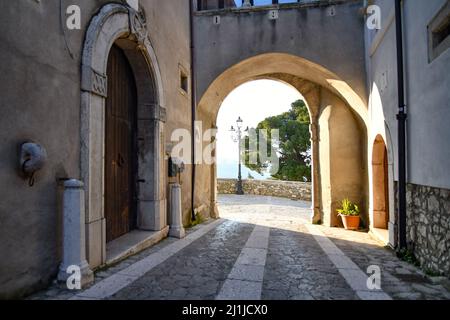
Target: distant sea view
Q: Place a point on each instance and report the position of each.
(230, 171)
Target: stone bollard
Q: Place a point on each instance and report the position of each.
(176, 227)
(74, 240)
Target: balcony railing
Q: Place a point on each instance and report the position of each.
(225, 4)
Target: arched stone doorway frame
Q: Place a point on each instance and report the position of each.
(380, 184)
(121, 25)
(386, 139)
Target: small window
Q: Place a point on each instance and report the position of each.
(184, 81)
(439, 32)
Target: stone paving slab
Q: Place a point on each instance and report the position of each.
(252, 256)
(247, 272)
(356, 278)
(399, 279)
(297, 269)
(59, 291)
(196, 272)
(240, 290)
(246, 278)
(264, 249)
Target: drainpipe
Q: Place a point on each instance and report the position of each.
(193, 106)
(401, 117)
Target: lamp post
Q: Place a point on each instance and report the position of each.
(237, 134)
(246, 3)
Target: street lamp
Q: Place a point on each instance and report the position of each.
(237, 134)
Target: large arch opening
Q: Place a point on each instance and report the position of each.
(338, 131)
(267, 104)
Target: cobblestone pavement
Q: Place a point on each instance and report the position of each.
(264, 248)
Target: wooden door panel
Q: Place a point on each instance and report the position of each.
(120, 152)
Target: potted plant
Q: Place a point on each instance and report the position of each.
(350, 215)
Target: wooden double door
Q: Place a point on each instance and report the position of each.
(121, 147)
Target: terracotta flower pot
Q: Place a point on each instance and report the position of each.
(351, 222)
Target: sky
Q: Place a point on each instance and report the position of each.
(253, 102)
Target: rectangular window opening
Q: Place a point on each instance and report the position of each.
(184, 82)
(439, 32)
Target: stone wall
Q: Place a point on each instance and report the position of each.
(428, 227)
(282, 189)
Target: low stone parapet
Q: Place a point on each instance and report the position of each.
(273, 188)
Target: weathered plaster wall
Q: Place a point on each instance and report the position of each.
(342, 160)
(426, 87)
(310, 32)
(169, 33)
(427, 99)
(283, 189)
(40, 101)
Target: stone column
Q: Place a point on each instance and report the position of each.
(213, 207)
(152, 213)
(315, 162)
(312, 94)
(74, 240)
(176, 227)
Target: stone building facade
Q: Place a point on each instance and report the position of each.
(58, 82)
(427, 101)
(351, 88)
(55, 83)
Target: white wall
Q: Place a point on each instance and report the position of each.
(427, 93)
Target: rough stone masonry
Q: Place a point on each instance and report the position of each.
(283, 189)
(429, 227)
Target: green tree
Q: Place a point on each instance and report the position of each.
(294, 149)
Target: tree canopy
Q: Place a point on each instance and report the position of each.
(294, 148)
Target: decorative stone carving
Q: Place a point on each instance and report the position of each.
(94, 82)
(138, 25)
(157, 112)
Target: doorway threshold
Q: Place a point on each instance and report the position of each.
(381, 235)
(132, 243)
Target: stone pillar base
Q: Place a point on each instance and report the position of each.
(215, 211)
(86, 275)
(316, 216)
(176, 228)
(74, 263)
(177, 232)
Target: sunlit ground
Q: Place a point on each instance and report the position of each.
(279, 213)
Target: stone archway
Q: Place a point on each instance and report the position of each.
(380, 187)
(123, 26)
(339, 120)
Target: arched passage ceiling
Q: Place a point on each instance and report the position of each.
(291, 69)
